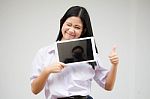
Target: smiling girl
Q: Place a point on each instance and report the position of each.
(71, 82)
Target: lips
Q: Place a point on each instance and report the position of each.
(71, 35)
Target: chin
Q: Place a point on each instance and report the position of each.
(69, 38)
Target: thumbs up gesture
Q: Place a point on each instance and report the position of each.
(114, 59)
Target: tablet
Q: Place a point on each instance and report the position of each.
(76, 50)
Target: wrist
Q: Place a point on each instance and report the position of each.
(115, 65)
(47, 70)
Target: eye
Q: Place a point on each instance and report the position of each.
(68, 24)
(77, 27)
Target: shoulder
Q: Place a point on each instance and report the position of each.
(47, 49)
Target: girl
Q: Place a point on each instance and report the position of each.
(70, 82)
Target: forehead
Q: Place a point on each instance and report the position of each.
(74, 20)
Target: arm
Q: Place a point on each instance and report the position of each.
(111, 76)
(39, 82)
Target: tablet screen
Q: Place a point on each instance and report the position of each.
(76, 50)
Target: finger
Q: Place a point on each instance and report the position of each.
(113, 55)
(59, 67)
(115, 61)
(62, 64)
(114, 58)
(114, 49)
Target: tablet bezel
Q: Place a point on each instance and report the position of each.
(87, 61)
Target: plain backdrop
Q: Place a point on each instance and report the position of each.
(27, 25)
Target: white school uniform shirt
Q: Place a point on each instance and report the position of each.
(74, 79)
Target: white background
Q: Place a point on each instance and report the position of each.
(27, 25)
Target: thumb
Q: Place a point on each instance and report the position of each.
(114, 49)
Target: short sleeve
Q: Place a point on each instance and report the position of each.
(100, 73)
(37, 65)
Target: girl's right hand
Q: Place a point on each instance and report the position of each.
(56, 67)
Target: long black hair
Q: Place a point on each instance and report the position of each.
(81, 12)
(84, 16)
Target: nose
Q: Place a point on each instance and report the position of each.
(71, 30)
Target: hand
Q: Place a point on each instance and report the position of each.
(114, 59)
(55, 68)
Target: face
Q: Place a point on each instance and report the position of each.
(72, 28)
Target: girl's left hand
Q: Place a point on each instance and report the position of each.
(114, 59)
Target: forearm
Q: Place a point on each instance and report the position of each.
(39, 82)
(111, 77)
